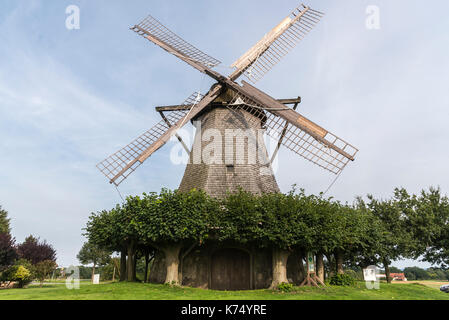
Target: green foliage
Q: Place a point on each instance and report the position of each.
(285, 287)
(285, 220)
(173, 216)
(43, 269)
(371, 232)
(107, 229)
(19, 274)
(431, 226)
(8, 252)
(395, 270)
(357, 275)
(91, 253)
(342, 280)
(416, 273)
(85, 272)
(240, 218)
(4, 221)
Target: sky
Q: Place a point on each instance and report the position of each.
(70, 98)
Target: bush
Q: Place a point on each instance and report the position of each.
(285, 287)
(357, 275)
(342, 280)
(43, 269)
(19, 274)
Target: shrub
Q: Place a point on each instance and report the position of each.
(357, 275)
(43, 269)
(19, 274)
(285, 287)
(35, 251)
(342, 280)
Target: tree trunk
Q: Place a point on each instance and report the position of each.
(93, 273)
(130, 262)
(172, 263)
(280, 258)
(123, 265)
(135, 267)
(331, 264)
(147, 261)
(302, 270)
(320, 266)
(387, 271)
(339, 261)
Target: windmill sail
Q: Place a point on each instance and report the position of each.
(114, 166)
(263, 56)
(121, 164)
(156, 32)
(300, 135)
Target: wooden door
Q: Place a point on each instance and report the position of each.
(230, 270)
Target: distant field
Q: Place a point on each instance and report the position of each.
(140, 291)
(436, 284)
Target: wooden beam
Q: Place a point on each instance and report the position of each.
(211, 96)
(284, 131)
(294, 101)
(290, 115)
(186, 148)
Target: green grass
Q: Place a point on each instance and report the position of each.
(140, 291)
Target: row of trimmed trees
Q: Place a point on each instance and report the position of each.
(368, 232)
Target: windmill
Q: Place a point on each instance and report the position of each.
(232, 107)
(243, 105)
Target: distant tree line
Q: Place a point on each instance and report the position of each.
(368, 232)
(416, 273)
(21, 263)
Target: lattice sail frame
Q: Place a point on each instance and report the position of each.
(261, 58)
(151, 26)
(112, 166)
(296, 139)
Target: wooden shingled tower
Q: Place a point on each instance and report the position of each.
(232, 115)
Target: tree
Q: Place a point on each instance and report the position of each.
(395, 270)
(285, 228)
(107, 230)
(394, 238)
(8, 252)
(171, 221)
(43, 269)
(17, 273)
(347, 229)
(430, 225)
(240, 219)
(35, 251)
(324, 237)
(92, 254)
(4, 221)
(416, 273)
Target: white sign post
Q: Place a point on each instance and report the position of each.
(96, 279)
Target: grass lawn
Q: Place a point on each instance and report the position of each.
(140, 291)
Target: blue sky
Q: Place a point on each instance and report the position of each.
(69, 98)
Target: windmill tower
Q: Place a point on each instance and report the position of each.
(228, 151)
